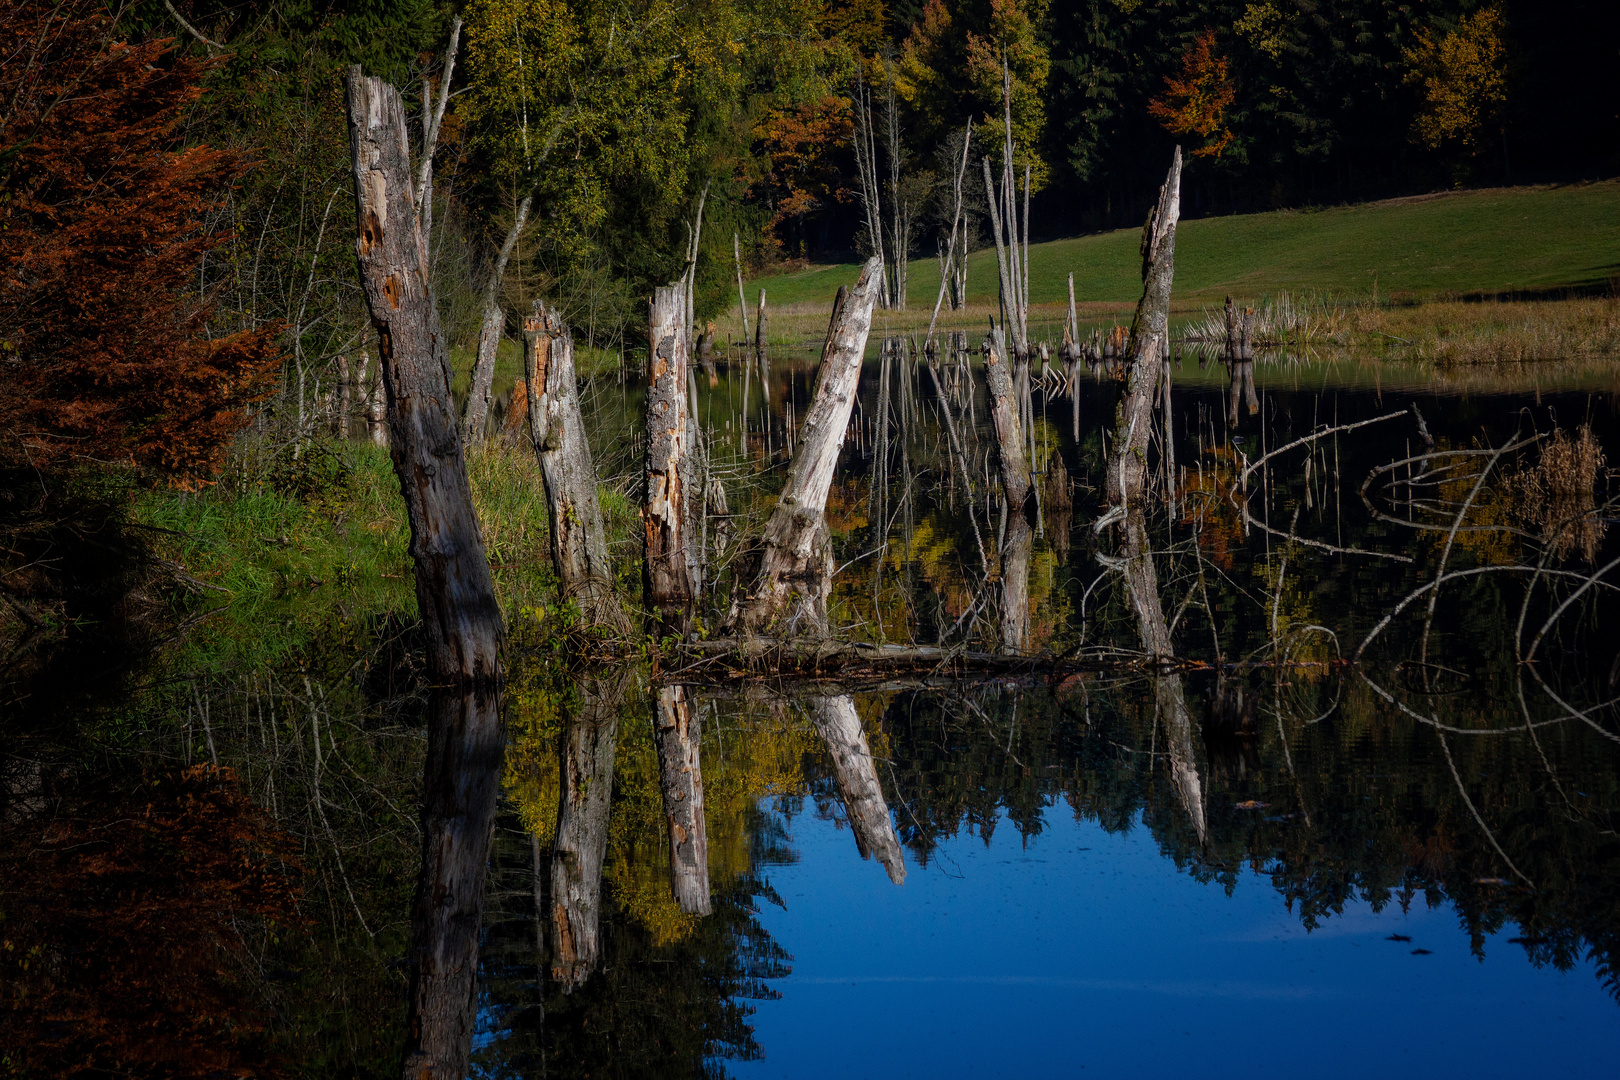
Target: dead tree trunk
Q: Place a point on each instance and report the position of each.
(454, 591)
(578, 538)
(582, 832)
(1005, 411)
(839, 726)
(794, 578)
(665, 576)
(1149, 333)
(680, 773)
(461, 786)
(476, 410)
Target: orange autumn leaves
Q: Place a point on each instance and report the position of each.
(1196, 99)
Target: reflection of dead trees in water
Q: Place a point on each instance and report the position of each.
(839, 726)
(466, 743)
(680, 771)
(582, 831)
(792, 569)
(1230, 733)
(1007, 415)
(1240, 362)
(1557, 494)
(1170, 709)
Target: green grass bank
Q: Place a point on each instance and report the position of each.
(1527, 241)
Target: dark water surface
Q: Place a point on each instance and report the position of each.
(1345, 833)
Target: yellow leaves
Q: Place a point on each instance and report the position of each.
(1012, 34)
(1462, 76)
(1264, 28)
(1194, 103)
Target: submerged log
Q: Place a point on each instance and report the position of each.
(578, 537)
(454, 591)
(665, 576)
(461, 785)
(794, 574)
(839, 726)
(582, 832)
(680, 774)
(1127, 472)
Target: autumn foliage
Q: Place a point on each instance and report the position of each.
(106, 346)
(1194, 101)
(121, 912)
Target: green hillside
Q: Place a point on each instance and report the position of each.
(1537, 240)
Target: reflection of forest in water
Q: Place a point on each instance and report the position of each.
(1467, 759)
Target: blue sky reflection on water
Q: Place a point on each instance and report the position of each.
(1091, 954)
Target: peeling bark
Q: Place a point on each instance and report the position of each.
(454, 591)
(665, 577)
(839, 726)
(578, 537)
(795, 567)
(680, 774)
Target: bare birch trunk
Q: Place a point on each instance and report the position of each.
(759, 326)
(454, 591)
(790, 591)
(680, 773)
(839, 726)
(665, 577)
(578, 537)
(582, 832)
(461, 785)
(1150, 331)
(476, 410)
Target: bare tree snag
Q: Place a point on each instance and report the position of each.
(1150, 331)
(476, 410)
(795, 566)
(578, 537)
(1005, 411)
(454, 592)
(461, 786)
(582, 831)
(665, 578)
(839, 726)
(680, 773)
(759, 327)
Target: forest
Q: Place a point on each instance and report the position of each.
(527, 526)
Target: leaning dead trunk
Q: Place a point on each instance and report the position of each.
(454, 591)
(578, 538)
(476, 411)
(461, 786)
(790, 590)
(665, 576)
(839, 726)
(1006, 410)
(1127, 471)
(680, 773)
(582, 833)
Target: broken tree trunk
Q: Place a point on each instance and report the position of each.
(680, 774)
(582, 831)
(665, 577)
(795, 570)
(578, 538)
(476, 410)
(461, 785)
(759, 328)
(454, 591)
(1149, 334)
(1005, 411)
(839, 726)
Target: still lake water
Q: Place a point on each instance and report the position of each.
(1269, 862)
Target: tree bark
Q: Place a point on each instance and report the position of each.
(461, 785)
(476, 410)
(454, 592)
(1149, 333)
(665, 577)
(680, 773)
(795, 571)
(839, 726)
(582, 832)
(759, 327)
(578, 538)
(1005, 410)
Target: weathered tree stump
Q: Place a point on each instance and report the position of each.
(680, 774)
(578, 537)
(454, 591)
(666, 578)
(789, 591)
